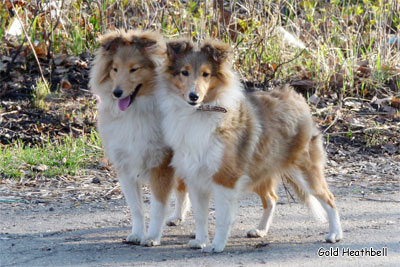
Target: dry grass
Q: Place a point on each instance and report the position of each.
(335, 48)
(68, 156)
(347, 43)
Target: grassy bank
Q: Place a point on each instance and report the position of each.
(68, 156)
(350, 46)
(336, 49)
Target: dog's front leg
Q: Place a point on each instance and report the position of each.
(157, 217)
(200, 200)
(225, 208)
(162, 182)
(132, 190)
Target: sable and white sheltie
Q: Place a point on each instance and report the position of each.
(123, 76)
(226, 140)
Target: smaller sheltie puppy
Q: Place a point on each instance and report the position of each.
(123, 76)
(226, 140)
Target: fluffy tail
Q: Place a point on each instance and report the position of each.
(316, 208)
(312, 203)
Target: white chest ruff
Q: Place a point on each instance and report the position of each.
(191, 134)
(198, 150)
(132, 139)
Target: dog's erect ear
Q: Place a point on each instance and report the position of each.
(110, 41)
(217, 51)
(177, 49)
(144, 43)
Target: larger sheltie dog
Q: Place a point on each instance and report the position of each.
(226, 140)
(123, 76)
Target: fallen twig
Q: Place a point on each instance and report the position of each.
(379, 200)
(9, 113)
(356, 98)
(288, 192)
(338, 113)
(12, 201)
(110, 192)
(23, 39)
(386, 128)
(284, 63)
(372, 113)
(32, 47)
(50, 47)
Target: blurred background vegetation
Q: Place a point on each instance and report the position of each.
(346, 47)
(336, 50)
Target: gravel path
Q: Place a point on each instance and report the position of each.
(85, 226)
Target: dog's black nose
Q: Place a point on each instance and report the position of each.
(118, 92)
(193, 96)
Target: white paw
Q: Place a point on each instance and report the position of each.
(213, 248)
(150, 243)
(196, 244)
(174, 221)
(133, 239)
(255, 233)
(334, 237)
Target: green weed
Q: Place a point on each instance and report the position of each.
(337, 34)
(40, 92)
(69, 156)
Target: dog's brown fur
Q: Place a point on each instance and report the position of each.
(126, 59)
(202, 70)
(289, 137)
(266, 136)
(132, 136)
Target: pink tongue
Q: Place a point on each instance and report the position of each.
(124, 103)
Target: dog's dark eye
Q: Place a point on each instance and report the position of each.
(205, 74)
(133, 70)
(185, 73)
(115, 69)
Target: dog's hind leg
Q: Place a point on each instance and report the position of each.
(310, 179)
(313, 190)
(266, 191)
(335, 229)
(182, 205)
(320, 191)
(316, 179)
(161, 182)
(132, 190)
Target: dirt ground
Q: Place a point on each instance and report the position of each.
(83, 221)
